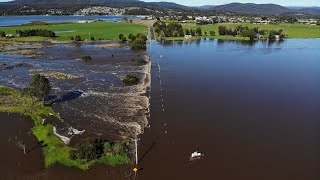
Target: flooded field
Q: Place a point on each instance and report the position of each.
(90, 96)
(251, 109)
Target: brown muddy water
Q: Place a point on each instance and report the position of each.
(252, 109)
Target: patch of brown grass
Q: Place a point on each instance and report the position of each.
(113, 45)
(59, 75)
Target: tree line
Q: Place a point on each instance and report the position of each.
(35, 32)
(251, 33)
(138, 41)
(172, 29)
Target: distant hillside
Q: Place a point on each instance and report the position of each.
(312, 11)
(69, 7)
(112, 3)
(250, 8)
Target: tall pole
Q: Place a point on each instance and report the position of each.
(136, 142)
(136, 168)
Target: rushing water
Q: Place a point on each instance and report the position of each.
(252, 109)
(19, 20)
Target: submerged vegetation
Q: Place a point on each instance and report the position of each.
(100, 150)
(138, 42)
(86, 58)
(19, 65)
(130, 80)
(59, 75)
(53, 148)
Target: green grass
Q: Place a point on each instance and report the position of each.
(98, 30)
(55, 151)
(292, 30)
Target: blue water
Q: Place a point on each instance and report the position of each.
(19, 20)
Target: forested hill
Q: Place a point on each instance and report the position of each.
(112, 3)
(250, 8)
(68, 7)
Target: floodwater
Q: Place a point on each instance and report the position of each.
(96, 101)
(252, 109)
(19, 20)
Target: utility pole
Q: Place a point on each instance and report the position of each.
(135, 169)
(136, 142)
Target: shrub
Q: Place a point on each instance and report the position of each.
(2, 34)
(130, 80)
(36, 32)
(100, 150)
(139, 44)
(92, 39)
(123, 39)
(86, 58)
(77, 38)
(132, 37)
(121, 36)
(212, 33)
(88, 150)
(222, 30)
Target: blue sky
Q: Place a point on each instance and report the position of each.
(218, 2)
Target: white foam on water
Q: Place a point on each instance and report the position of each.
(65, 139)
(73, 131)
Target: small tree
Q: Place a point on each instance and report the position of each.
(187, 31)
(139, 44)
(132, 37)
(92, 39)
(121, 36)
(123, 39)
(2, 34)
(212, 33)
(222, 30)
(77, 38)
(39, 87)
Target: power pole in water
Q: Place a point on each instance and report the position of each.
(136, 147)
(136, 142)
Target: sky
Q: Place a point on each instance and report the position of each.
(219, 2)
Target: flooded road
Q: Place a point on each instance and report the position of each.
(253, 110)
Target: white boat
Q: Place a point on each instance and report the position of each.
(196, 155)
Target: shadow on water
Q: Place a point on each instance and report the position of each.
(64, 98)
(150, 148)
